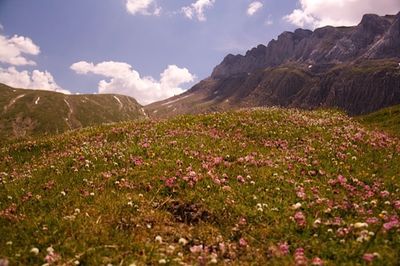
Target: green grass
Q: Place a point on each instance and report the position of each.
(225, 183)
(387, 119)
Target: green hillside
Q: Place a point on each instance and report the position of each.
(387, 119)
(255, 187)
(25, 113)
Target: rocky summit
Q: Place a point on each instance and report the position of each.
(356, 69)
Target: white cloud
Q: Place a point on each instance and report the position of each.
(318, 13)
(143, 7)
(29, 80)
(196, 9)
(12, 50)
(127, 81)
(254, 7)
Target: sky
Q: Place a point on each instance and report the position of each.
(148, 49)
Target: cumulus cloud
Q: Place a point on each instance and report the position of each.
(127, 81)
(196, 9)
(13, 50)
(143, 7)
(318, 13)
(36, 80)
(254, 7)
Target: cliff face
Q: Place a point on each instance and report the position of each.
(353, 68)
(374, 38)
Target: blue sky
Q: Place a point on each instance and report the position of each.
(95, 31)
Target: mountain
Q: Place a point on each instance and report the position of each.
(24, 113)
(266, 186)
(355, 68)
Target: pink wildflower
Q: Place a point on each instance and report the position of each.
(342, 180)
(170, 182)
(240, 179)
(243, 242)
(393, 223)
(299, 257)
(300, 219)
(196, 249)
(317, 261)
(300, 193)
(284, 248)
(368, 257)
(385, 194)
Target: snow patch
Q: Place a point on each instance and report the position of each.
(37, 100)
(119, 101)
(13, 101)
(174, 101)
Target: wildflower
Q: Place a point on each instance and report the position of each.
(299, 257)
(342, 180)
(182, 241)
(35, 251)
(364, 236)
(63, 193)
(394, 222)
(243, 242)
(240, 179)
(396, 204)
(4, 262)
(317, 222)
(196, 249)
(158, 239)
(360, 225)
(300, 193)
(317, 261)
(170, 182)
(372, 220)
(162, 261)
(284, 248)
(368, 257)
(296, 206)
(300, 219)
(385, 194)
(51, 256)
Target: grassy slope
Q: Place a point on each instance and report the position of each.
(224, 182)
(386, 119)
(51, 114)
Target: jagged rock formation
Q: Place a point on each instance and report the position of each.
(353, 68)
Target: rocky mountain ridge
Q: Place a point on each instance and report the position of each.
(356, 69)
(374, 38)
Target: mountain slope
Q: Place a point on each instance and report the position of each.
(255, 187)
(387, 119)
(356, 69)
(32, 112)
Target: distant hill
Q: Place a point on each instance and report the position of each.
(24, 113)
(355, 68)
